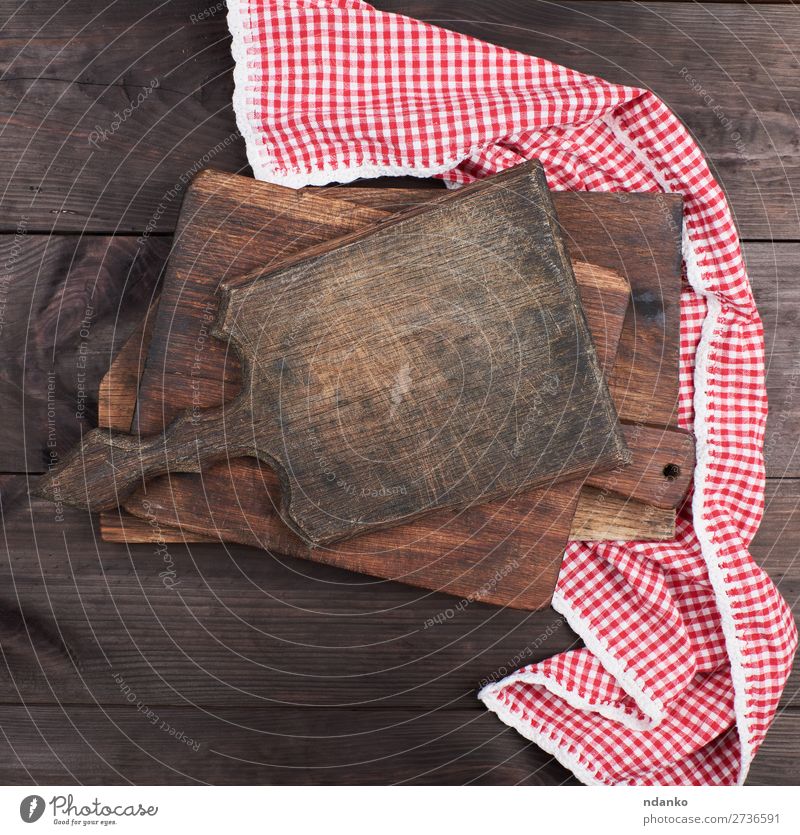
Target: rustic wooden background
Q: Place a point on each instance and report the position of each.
(207, 664)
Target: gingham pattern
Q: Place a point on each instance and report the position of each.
(688, 643)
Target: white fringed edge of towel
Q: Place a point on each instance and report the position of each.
(331, 171)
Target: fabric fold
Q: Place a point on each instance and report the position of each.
(688, 644)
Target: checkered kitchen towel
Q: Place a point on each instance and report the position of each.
(687, 643)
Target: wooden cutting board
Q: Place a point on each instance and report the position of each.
(248, 519)
(439, 359)
(505, 552)
(236, 501)
(228, 223)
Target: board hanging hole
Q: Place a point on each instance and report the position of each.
(671, 471)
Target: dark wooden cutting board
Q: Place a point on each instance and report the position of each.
(230, 224)
(440, 358)
(430, 551)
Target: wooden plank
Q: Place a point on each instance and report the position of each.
(116, 396)
(636, 236)
(620, 519)
(68, 304)
(635, 233)
(149, 744)
(142, 743)
(124, 282)
(776, 763)
(773, 272)
(54, 101)
(601, 513)
(776, 546)
(377, 403)
(235, 626)
(240, 627)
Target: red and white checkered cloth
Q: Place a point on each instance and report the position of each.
(688, 643)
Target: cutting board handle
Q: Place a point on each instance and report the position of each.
(106, 467)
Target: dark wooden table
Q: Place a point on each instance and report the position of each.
(206, 664)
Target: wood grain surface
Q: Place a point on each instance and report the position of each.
(601, 512)
(237, 500)
(396, 371)
(639, 234)
(277, 668)
(636, 235)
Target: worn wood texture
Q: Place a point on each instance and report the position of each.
(185, 367)
(52, 276)
(179, 745)
(204, 633)
(189, 649)
(439, 551)
(377, 401)
(463, 557)
(601, 513)
(68, 305)
(249, 516)
(605, 516)
(736, 93)
(116, 396)
(638, 234)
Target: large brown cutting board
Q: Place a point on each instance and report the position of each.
(229, 222)
(439, 359)
(186, 502)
